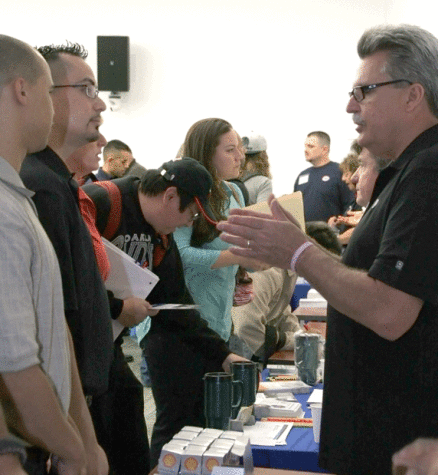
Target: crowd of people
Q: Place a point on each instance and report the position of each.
(70, 402)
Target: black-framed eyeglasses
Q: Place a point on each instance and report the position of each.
(90, 90)
(359, 92)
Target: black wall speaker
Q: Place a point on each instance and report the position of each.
(113, 63)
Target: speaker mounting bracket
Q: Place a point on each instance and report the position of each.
(115, 99)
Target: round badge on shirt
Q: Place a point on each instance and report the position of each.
(325, 178)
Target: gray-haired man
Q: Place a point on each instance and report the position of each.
(380, 382)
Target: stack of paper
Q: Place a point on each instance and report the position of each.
(283, 369)
(275, 387)
(268, 433)
(275, 407)
(126, 279)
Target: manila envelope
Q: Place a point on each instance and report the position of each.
(292, 203)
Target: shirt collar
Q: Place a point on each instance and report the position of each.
(9, 175)
(425, 140)
(54, 162)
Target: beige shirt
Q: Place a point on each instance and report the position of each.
(273, 289)
(33, 327)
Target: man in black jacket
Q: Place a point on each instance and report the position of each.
(76, 121)
(179, 347)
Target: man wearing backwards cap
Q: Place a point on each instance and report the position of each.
(179, 347)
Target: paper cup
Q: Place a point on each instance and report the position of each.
(316, 409)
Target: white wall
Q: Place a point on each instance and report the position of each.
(280, 67)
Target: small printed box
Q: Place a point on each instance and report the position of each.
(180, 444)
(179, 441)
(242, 439)
(230, 434)
(241, 454)
(191, 460)
(170, 459)
(214, 457)
(193, 429)
(204, 441)
(185, 435)
(223, 443)
(215, 432)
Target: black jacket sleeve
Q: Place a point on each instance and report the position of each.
(190, 326)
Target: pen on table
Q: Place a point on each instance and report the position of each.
(281, 431)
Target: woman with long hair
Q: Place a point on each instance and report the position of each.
(209, 267)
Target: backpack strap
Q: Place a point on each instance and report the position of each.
(115, 214)
(247, 176)
(235, 192)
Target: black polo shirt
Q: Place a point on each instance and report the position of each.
(85, 298)
(380, 395)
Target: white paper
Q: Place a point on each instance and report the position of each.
(274, 387)
(274, 407)
(175, 306)
(228, 471)
(126, 279)
(316, 396)
(268, 433)
(313, 303)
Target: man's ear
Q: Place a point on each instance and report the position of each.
(170, 194)
(415, 96)
(20, 90)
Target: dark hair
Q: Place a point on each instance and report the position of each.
(259, 162)
(323, 138)
(18, 59)
(153, 184)
(200, 143)
(116, 145)
(52, 52)
(321, 232)
(412, 55)
(350, 163)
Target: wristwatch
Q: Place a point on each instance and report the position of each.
(11, 446)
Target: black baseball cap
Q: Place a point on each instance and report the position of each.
(188, 175)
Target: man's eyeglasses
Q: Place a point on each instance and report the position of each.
(89, 89)
(359, 92)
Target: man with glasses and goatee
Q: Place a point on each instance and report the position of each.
(57, 198)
